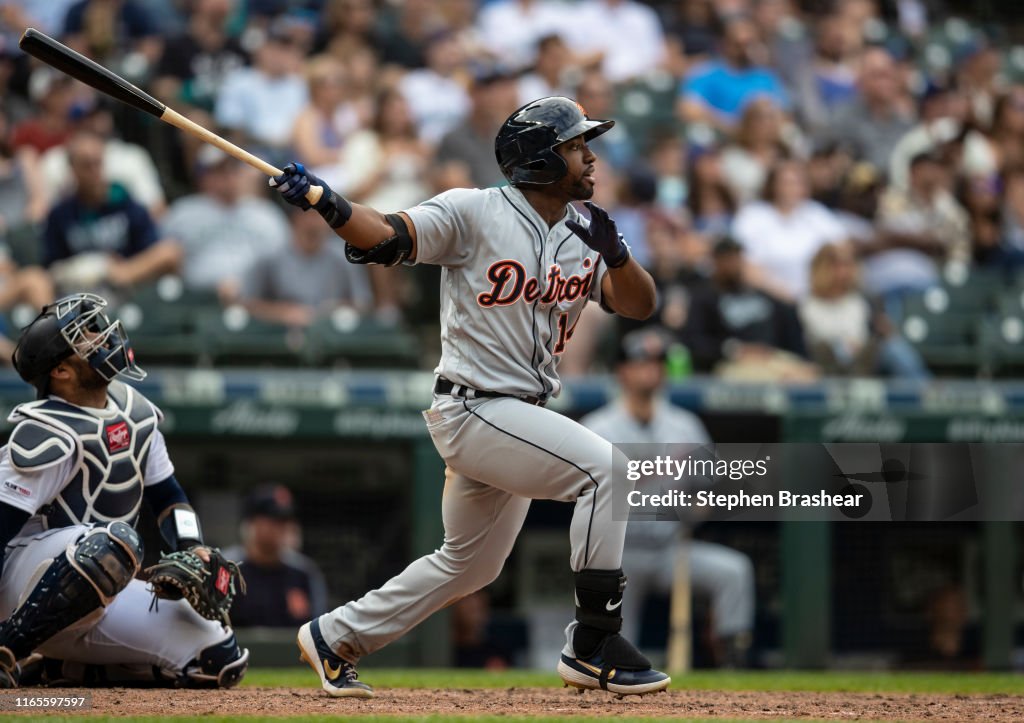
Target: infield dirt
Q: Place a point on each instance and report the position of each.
(755, 705)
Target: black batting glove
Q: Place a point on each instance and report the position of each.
(294, 184)
(602, 236)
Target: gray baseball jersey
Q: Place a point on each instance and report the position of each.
(512, 289)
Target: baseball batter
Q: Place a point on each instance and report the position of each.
(73, 477)
(519, 265)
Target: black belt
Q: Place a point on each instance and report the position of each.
(445, 386)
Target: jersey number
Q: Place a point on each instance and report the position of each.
(564, 333)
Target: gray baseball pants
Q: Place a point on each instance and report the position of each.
(500, 453)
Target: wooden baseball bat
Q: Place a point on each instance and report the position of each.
(78, 66)
(679, 643)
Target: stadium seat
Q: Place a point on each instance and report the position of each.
(1003, 339)
(345, 339)
(26, 244)
(949, 342)
(231, 337)
(161, 320)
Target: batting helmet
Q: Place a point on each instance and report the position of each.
(525, 144)
(75, 324)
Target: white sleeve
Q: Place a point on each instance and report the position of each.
(158, 463)
(29, 491)
(440, 222)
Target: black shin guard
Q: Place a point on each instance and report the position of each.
(599, 614)
(598, 608)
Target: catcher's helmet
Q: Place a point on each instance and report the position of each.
(525, 144)
(74, 324)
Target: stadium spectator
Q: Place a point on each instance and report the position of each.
(844, 335)
(932, 224)
(596, 93)
(53, 96)
(1012, 200)
(690, 30)
(323, 126)
(1007, 130)
(12, 103)
(47, 17)
(787, 39)
(98, 235)
(715, 93)
(195, 63)
(283, 586)
(709, 198)
(348, 25)
(260, 103)
(307, 278)
(512, 28)
(679, 258)
(758, 143)
(385, 165)
(783, 231)
(741, 333)
(115, 29)
(623, 36)
(978, 69)
(947, 130)
(827, 81)
(435, 94)
(406, 33)
(667, 158)
(22, 207)
(550, 71)
(471, 142)
(872, 124)
(22, 193)
(223, 228)
(126, 164)
(642, 415)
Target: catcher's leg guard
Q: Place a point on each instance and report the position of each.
(602, 658)
(87, 576)
(221, 665)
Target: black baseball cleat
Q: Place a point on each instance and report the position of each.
(595, 673)
(10, 671)
(337, 676)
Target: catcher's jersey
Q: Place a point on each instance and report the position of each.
(512, 289)
(69, 465)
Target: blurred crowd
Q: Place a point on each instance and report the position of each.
(789, 171)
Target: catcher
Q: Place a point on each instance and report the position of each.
(73, 477)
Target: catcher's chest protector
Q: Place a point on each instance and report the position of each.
(109, 449)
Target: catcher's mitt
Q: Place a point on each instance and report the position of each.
(209, 587)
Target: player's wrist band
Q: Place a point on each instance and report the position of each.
(620, 258)
(336, 211)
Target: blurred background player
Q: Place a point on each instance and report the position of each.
(285, 588)
(642, 415)
(79, 463)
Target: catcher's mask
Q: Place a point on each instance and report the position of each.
(75, 324)
(525, 145)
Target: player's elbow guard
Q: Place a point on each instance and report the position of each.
(389, 252)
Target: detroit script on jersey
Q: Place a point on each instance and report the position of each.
(510, 282)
